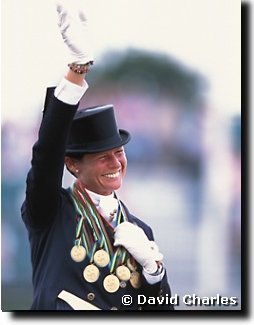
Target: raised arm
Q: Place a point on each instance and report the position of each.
(44, 179)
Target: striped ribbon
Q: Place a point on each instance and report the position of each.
(97, 236)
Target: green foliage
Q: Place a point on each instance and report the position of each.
(153, 73)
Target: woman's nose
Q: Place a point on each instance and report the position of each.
(114, 162)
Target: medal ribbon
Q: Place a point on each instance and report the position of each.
(89, 213)
(98, 224)
(81, 200)
(81, 232)
(120, 254)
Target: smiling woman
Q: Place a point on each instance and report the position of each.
(106, 251)
(95, 153)
(194, 33)
(101, 172)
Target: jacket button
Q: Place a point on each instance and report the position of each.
(90, 296)
(122, 284)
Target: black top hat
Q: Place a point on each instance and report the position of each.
(94, 130)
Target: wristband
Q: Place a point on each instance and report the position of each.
(80, 68)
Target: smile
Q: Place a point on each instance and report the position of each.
(112, 175)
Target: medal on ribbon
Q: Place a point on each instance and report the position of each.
(92, 240)
(78, 253)
(111, 283)
(101, 258)
(91, 273)
(135, 279)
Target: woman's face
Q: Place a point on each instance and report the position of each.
(102, 172)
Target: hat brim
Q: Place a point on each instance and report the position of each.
(103, 146)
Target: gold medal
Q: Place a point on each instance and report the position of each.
(78, 253)
(101, 258)
(91, 273)
(135, 280)
(130, 265)
(123, 273)
(111, 283)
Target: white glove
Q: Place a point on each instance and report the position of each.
(73, 26)
(144, 251)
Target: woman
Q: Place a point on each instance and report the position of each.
(88, 252)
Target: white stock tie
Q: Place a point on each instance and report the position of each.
(106, 205)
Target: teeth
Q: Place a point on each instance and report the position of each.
(115, 175)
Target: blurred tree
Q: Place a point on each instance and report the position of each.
(153, 92)
(139, 70)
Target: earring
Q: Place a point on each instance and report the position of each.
(76, 170)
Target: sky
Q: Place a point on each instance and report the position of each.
(202, 34)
